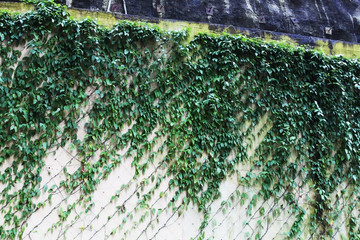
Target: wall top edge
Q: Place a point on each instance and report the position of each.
(327, 46)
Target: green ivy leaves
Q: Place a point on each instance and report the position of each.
(199, 96)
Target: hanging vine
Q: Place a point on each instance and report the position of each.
(199, 96)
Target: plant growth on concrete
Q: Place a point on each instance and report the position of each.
(205, 98)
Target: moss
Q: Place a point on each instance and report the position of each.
(193, 28)
(346, 49)
(16, 7)
(103, 18)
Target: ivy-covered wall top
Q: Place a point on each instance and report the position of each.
(134, 85)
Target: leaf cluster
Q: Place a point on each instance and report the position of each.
(206, 98)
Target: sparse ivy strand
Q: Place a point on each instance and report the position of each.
(205, 98)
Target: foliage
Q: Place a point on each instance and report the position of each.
(199, 96)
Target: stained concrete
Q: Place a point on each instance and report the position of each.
(332, 19)
(109, 19)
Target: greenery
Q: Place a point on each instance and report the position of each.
(205, 98)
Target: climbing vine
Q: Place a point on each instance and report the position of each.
(205, 98)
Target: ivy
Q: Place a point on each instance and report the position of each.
(205, 98)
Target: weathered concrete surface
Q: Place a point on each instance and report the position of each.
(331, 19)
(308, 17)
(230, 217)
(328, 46)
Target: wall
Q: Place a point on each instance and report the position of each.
(99, 126)
(308, 18)
(326, 45)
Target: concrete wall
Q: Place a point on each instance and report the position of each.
(117, 212)
(334, 19)
(328, 46)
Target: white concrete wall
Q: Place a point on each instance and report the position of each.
(124, 218)
(118, 214)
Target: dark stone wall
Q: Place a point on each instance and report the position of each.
(142, 8)
(331, 19)
(88, 4)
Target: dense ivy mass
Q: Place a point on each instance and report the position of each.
(205, 97)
